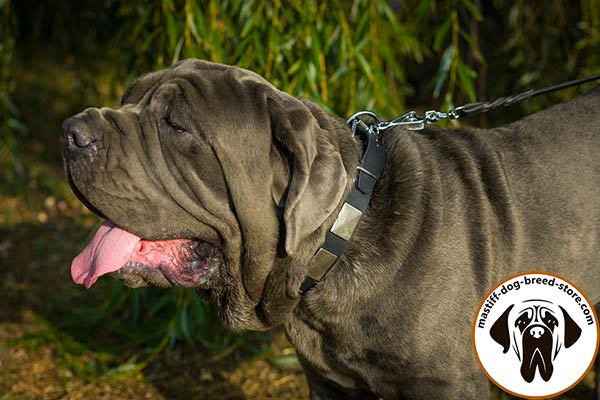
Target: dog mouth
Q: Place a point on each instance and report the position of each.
(139, 262)
(537, 354)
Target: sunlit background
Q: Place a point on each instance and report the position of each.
(58, 341)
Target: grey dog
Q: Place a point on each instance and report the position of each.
(209, 177)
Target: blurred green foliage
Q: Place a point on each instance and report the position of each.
(345, 55)
(10, 125)
(339, 54)
(379, 55)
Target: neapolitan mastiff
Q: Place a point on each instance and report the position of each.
(536, 330)
(211, 178)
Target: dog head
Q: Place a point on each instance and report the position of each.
(211, 178)
(536, 330)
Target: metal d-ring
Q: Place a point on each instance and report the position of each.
(354, 121)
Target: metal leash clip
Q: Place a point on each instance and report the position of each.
(411, 120)
(415, 122)
(355, 121)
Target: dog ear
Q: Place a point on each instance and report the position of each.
(572, 330)
(142, 85)
(318, 177)
(138, 89)
(499, 331)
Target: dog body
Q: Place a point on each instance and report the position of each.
(210, 152)
(457, 211)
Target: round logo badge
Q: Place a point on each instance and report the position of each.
(535, 335)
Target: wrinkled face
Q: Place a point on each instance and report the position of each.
(536, 330)
(208, 177)
(535, 323)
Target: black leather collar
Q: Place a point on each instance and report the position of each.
(341, 233)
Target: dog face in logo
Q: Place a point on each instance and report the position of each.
(537, 330)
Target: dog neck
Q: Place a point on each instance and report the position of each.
(381, 250)
(355, 204)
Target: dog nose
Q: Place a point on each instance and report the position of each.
(77, 134)
(536, 332)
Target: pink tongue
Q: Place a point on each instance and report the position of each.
(109, 250)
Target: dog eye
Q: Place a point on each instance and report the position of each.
(522, 320)
(173, 125)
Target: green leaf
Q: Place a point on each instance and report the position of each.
(248, 25)
(159, 304)
(528, 78)
(192, 24)
(287, 362)
(177, 52)
(443, 70)
(135, 306)
(199, 310)
(182, 322)
(466, 76)
(366, 68)
(295, 67)
(362, 43)
(473, 47)
(311, 75)
(172, 33)
(441, 33)
(473, 9)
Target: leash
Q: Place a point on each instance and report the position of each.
(415, 122)
(338, 238)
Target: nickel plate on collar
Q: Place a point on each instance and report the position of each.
(321, 262)
(346, 222)
(343, 227)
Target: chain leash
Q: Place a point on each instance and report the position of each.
(414, 122)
